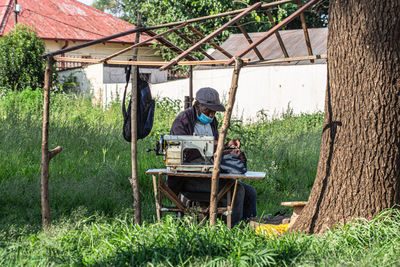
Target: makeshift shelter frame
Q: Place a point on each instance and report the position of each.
(238, 59)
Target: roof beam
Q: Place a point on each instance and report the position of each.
(220, 49)
(278, 36)
(287, 59)
(142, 42)
(248, 38)
(273, 30)
(144, 63)
(306, 36)
(170, 45)
(212, 35)
(187, 40)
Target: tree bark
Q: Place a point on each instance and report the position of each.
(359, 166)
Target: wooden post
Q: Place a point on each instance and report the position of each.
(46, 154)
(134, 92)
(191, 85)
(15, 13)
(221, 141)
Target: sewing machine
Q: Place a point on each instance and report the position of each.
(186, 153)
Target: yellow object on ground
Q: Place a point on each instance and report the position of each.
(270, 230)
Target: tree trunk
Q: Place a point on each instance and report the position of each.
(359, 166)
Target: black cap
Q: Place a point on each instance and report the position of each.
(209, 98)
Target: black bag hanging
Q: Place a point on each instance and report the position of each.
(145, 109)
(233, 161)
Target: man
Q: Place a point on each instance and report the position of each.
(200, 120)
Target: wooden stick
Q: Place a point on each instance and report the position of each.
(224, 190)
(146, 63)
(141, 43)
(228, 204)
(187, 40)
(278, 36)
(248, 38)
(156, 197)
(171, 196)
(146, 29)
(289, 59)
(234, 195)
(54, 152)
(221, 141)
(44, 176)
(306, 36)
(220, 49)
(212, 35)
(191, 85)
(274, 29)
(159, 192)
(170, 45)
(134, 97)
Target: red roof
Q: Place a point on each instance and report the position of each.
(64, 20)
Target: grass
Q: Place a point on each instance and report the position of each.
(91, 198)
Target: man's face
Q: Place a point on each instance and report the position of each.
(203, 109)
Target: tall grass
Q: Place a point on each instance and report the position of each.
(91, 198)
(93, 169)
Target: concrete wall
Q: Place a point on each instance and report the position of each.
(269, 88)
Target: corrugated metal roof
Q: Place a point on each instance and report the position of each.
(64, 20)
(293, 39)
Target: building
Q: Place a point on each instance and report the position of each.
(65, 23)
(270, 89)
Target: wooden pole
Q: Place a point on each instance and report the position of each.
(220, 49)
(134, 93)
(248, 38)
(191, 85)
(46, 154)
(221, 141)
(306, 36)
(146, 63)
(15, 13)
(189, 41)
(277, 34)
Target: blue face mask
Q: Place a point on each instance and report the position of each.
(204, 119)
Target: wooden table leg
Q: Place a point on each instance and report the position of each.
(229, 211)
(230, 208)
(156, 196)
(172, 196)
(160, 177)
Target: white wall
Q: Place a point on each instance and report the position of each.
(268, 88)
(90, 81)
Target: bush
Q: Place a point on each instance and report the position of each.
(20, 63)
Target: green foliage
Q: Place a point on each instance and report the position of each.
(90, 195)
(20, 63)
(83, 239)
